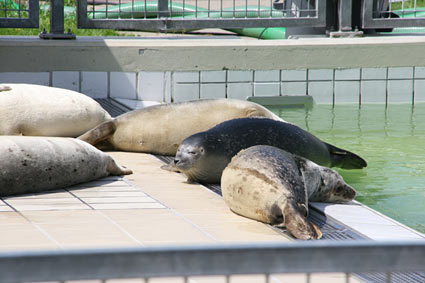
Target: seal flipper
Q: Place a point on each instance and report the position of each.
(297, 224)
(99, 133)
(345, 159)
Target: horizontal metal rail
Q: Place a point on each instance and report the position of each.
(272, 258)
(19, 17)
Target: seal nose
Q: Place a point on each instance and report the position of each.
(176, 161)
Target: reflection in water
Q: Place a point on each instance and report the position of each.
(390, 138)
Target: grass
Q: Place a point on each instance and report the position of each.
(70, 23)
(407, 4)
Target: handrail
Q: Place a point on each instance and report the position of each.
(270, 258)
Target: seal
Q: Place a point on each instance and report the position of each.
(203, 156)
(38, 164)
(323, 184)
(263, 183)
(160, 129)
(36, 110)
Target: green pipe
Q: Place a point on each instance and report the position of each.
(13, 4)
(262, 33)
(149, 9)
(141, 9)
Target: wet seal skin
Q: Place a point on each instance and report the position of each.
(273, 186)
(38, 164)
(161, 128)
(203, 156)
(36, 110)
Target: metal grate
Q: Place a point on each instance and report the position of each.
(113, 107)
(387, 14)
(331, 229)
(196, 14)
(19, 14)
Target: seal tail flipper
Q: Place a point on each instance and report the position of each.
(99, 133)
(116, 170)
(345, 159)
(297, 224)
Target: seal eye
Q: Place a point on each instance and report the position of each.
(339, 189)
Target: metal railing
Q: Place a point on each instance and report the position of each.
(196, 14)
(273, 258)
(23, 14)
(385, 14)
(342, 16)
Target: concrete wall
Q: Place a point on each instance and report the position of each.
(360, 70)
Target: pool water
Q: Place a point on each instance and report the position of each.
(391, 139)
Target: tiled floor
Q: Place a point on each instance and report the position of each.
(149, 207)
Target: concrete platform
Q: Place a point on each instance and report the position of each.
(150, 207)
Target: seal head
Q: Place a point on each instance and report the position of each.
(324, 184)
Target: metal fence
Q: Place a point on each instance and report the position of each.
(329, 15)
(196, 14)
(277, 258)
(19, 14)
(384, 14)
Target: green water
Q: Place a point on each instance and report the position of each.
(392, 140)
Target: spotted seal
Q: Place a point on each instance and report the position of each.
(36, 110)
(203, 156)
(160, 129)
(38, 164)
(271, 185)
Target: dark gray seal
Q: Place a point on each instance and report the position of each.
(202, 157)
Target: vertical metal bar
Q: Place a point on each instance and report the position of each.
(308, 277)
(388, 277)
(271, 8)
(246, 8)
(221, 8)
(146, 10)
(258, 8)
(183, 8)
(162, 8)
(33, 14)
(19, 9)
(347, 275)
(107, 7)
(119, 9)
(56, 16)
(170, 4)
(344, 15)
(414, 10)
